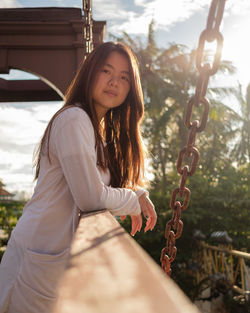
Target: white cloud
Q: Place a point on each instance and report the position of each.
(109, 10)
(240, 7)
(21, 127)
(135, 20)
(10, 4)
(68, 3)
(141, 2)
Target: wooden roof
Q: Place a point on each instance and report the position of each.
(3, 192)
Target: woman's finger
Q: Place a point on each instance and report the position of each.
(140, 223)
(122, 218)
(136, 224)
(151, 221)
(153, 217)
(149, 213)
(143, 204)
(133, 226)
(148, 225)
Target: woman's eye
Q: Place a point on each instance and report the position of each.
(105, 71)
(125, 78)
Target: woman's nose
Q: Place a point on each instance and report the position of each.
(114, 81)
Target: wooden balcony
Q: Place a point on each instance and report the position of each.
(108, 272)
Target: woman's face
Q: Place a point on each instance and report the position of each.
(111, 85)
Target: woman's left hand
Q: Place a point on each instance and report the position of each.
(148, 211)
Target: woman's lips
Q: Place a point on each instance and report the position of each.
(110, 93)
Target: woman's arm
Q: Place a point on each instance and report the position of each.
(74, 142)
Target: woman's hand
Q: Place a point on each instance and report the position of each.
(149, 213)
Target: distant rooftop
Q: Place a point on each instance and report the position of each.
(4, 194)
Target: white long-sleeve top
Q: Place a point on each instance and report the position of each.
(39, 244)
(70, 182)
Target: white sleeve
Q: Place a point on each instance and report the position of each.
(75, 149)
(141, 191)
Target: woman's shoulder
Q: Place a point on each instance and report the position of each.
(72, 114)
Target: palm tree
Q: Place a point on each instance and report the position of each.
(241, 150)
(169, 78)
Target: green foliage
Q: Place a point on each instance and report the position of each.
(168, 78)
(9, 215)
(218, 203)
(10, 212)
(241, 150)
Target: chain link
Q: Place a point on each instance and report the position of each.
(88, 26)
(190, 153)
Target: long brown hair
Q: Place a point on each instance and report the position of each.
(124, 153)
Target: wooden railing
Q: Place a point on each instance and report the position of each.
(231, 263)
(108, 272)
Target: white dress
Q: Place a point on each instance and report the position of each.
(39, 244)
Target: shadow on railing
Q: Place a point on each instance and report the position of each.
(108, 272)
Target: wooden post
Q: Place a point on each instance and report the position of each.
(242, 275)
(232, 267)
(216, 261)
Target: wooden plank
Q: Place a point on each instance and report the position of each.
(26, 90)
(244, 255)
(108, 272)
(40, 14)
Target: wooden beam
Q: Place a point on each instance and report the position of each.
(108, 272)
(40, 14)
(47, 42)
(26, 90)
(244, 255)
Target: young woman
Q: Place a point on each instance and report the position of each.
(90, 158)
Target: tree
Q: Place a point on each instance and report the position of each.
(241, 150)
(169, 77)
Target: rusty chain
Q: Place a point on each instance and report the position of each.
(174, 226)
(88, 26)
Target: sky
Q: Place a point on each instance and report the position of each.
(179, 21)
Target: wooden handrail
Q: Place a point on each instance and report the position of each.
(222, 259)
(108, 272)
(241, 254)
